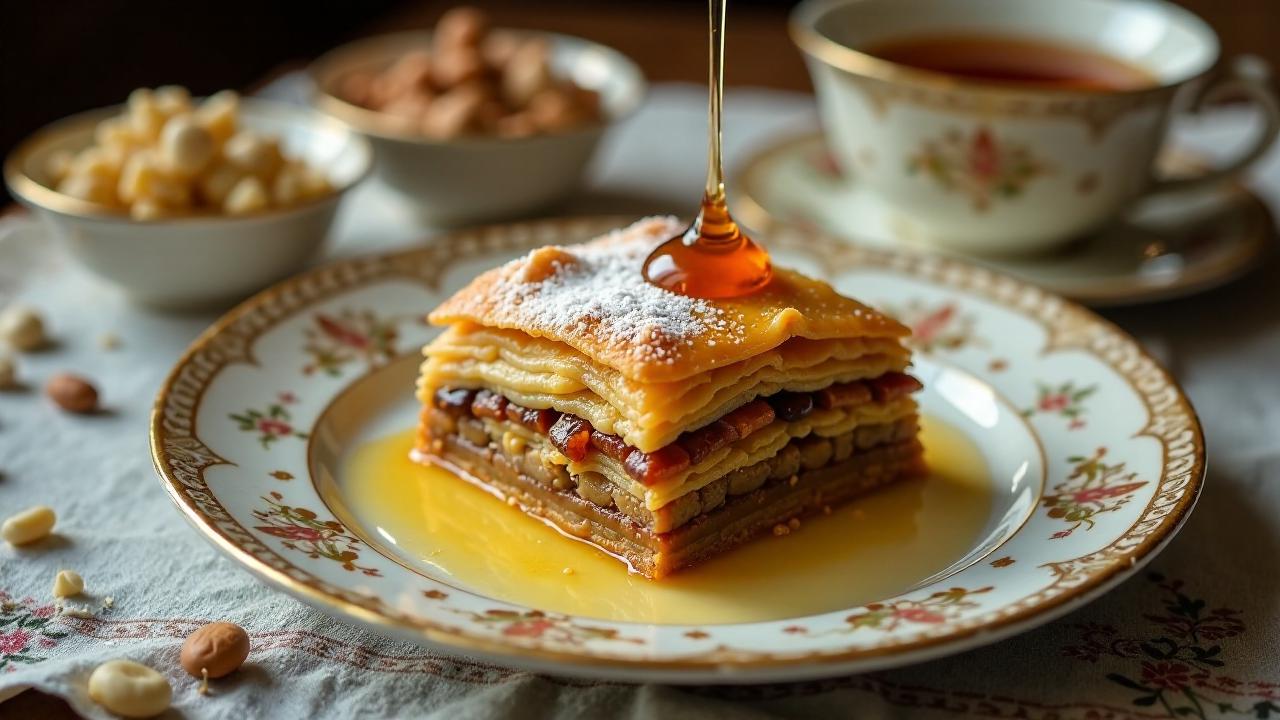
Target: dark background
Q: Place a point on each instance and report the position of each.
(57, 58)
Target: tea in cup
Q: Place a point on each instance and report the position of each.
(1014, 126)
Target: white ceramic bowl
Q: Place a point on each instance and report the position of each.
(199, 261)
(481, 178)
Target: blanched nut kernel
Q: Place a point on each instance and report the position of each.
(113, 133)
(29, 525)
(130, 689)
(253, 154)
(67, 583)
(72, 393)
(138, 176)
(216, 184)
(58, 165)
(248, 196)
(148, 209)
(217, 114)
(90, 188)
(172, 100)
(218, 649)
(96, 161)
(185, 146)
(145, 118)
(22, 328)
(296, 182)
(8, 371)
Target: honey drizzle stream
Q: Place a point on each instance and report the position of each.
(713, 258)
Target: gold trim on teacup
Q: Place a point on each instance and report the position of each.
(181, 458)
(883, 83)
(851, 60)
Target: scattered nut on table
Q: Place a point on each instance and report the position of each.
(166, 156)
(72, 393)
(8, 370)
(67, 583)
(29, 525)
(217, 649)
(22, 328)
(474, 81)
(130, 689)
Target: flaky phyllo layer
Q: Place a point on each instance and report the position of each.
(575, 330)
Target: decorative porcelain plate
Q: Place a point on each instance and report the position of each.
(1167, 247)
(1064, 458)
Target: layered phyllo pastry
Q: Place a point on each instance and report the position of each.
(660, 428)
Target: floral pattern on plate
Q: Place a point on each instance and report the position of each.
(349, 336)
(1093, 487)
(303, 530)
(1115, 505)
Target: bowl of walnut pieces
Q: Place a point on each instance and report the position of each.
(470, 122)
(185, 202)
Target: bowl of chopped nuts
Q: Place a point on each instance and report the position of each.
(187, 203)
(471, 123)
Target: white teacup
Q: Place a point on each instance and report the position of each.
(983, 166)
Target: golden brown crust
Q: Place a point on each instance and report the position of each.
(593, 298)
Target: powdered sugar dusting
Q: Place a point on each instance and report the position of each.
(598, 290)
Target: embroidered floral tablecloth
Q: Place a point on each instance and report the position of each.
(1194, 636)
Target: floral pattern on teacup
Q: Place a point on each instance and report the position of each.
(977, 165)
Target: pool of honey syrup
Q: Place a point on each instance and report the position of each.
(873, 548)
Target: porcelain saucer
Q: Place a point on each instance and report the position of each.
(1167, 247)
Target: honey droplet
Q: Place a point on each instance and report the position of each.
(713, 259)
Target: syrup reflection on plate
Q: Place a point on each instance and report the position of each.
(870, 549)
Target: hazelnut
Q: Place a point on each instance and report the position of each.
(461, 27)
(130, 689)
(553, 110)
(457, 65)
(217, 649)
(516, 125)
(412, 72)
(72, 393)
(8, 371)
(498, 48)
(528, 72)
(455, 112)
(355, 87)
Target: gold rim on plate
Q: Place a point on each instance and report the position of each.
(181, 458)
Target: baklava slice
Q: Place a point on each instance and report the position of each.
(660, 428)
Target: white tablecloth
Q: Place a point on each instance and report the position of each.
(1196, 636)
